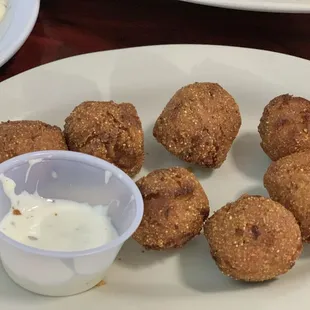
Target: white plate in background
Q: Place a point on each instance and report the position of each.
(148, 76)
(16, 26)
(277, 6)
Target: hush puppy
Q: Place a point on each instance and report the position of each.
(288, 182)
(199, 124)
(285, 126)
(20, 137)
(253, 239)
(175, 208)
(109, 131)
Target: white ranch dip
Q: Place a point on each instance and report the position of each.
(55, 225)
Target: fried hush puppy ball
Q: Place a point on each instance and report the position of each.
(199, 124)
(253, 239)
(109, 131)
(20, 137)
(288, 182)
(285, 126)
(175, 208)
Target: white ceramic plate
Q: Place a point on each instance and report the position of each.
(279, 6)
(148, 77)
(16, 26)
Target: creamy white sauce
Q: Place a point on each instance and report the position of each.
(3, 7)
(57, 225)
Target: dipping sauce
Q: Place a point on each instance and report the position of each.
(56, 225)
(3, 6)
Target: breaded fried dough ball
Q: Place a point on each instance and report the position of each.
(20, 137)
(253, 239)
(109, 131)
(175, 208)
(288, 182)
(199, 124)
(285, 126)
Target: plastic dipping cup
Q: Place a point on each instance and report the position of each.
(78, 177)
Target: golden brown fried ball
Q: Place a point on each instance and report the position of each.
(175, 208)
(288, 182)
(109, 131)
(20, 137)
(253, 239)
(285, 126)
(199, 124)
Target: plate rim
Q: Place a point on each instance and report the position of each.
(9, 50)
(263, 6)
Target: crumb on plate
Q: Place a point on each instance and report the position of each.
(101, 283)
(16, 212)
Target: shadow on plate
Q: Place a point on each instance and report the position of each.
(199, 271)
(135, 256)
(305, 252)
(249, 157)
(149, 292)
(254, 190)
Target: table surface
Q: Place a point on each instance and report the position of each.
(70, 27)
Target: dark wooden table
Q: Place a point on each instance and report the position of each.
(71, 27)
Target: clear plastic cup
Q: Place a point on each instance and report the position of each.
(78, 177)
